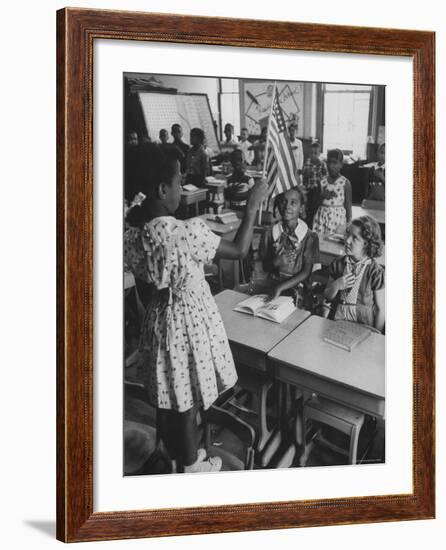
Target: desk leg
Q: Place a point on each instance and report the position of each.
(236, 273)
(275, 437)
(264, 432)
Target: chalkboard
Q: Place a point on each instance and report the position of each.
(161, 110)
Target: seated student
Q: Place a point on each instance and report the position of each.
(239, 183)
(258, 147)
(336, 197)
(245, 146)
(377, 176)
(356, 285)
(289, 249)
(197, 162)
(314, 170)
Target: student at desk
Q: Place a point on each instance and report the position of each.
(197, 162)
(239, 183)
(184, 371)
(356, 284)
(289, 249)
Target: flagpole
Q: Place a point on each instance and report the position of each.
(266, 146)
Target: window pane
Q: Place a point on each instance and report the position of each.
(346, 117)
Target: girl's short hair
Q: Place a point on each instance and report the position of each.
(371, 233)
(229, 125)
(336, 154)
(198, 132)
(153, 165)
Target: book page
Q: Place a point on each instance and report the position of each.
(253, 304)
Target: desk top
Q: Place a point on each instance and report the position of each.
(218, 228)
(196, 192)
(379, 215)
(332, 249)
(254, 332)
(363, 368)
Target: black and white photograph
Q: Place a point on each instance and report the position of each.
(253, 274)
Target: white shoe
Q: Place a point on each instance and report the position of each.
(212, 464)
(201, 454)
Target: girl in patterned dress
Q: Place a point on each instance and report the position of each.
(187, 359)
(356, 284)
(336, 197)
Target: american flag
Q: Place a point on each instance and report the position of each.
(280, 164)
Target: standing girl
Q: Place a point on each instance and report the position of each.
(187, 359)
(356, 285)
(314, 170)
(336, 197)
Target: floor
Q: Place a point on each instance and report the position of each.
(228, 447)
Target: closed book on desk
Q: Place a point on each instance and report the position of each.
(227, 218)
(346, 335)
(190, 187)
(273, 310)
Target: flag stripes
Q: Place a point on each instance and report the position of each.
(280, 164)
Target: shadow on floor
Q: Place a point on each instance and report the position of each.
(47, 527)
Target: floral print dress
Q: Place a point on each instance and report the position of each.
(331, 213)
(187, 358)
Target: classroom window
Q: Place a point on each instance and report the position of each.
(230, 104)
(346, 118)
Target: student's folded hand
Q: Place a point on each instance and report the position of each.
(346, 281)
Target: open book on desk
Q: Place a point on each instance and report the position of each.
(276, 310)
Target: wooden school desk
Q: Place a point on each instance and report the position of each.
(329, 250)
(251, 339)
(193, 198)
(355, 379)
(225, 231)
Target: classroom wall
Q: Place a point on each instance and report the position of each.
(228, 109)
(28, 276)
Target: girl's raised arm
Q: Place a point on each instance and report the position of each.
(239, 247)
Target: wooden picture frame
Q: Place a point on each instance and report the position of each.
(77, 29)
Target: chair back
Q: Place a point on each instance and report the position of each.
(239, 428)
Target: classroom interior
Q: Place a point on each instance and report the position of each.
(299, 401)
